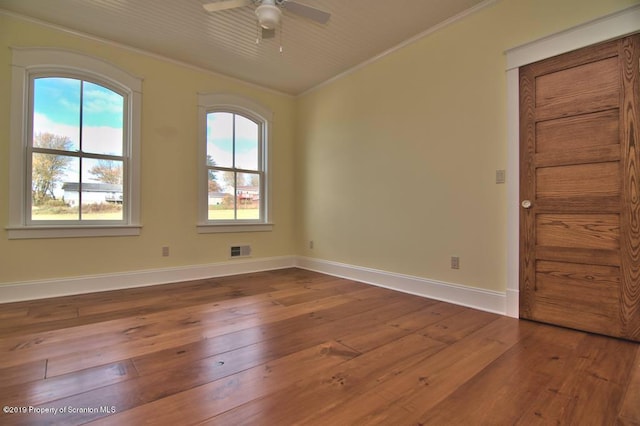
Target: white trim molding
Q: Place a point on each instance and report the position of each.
(32, 290)
(609, 27)
(477, 298)
(27, 62)
(486, 300)
(263, 117)
(618, 24)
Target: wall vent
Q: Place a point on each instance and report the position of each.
(240, 251)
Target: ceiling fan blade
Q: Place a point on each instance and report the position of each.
(309, 12)
(225, 4)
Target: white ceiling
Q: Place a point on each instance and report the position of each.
(225, 42)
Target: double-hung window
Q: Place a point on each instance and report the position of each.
(76, 151)
(233, 164)
(75, 132)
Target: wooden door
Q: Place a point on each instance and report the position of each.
(580, 189)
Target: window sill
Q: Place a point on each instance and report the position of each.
(233, 227)
(33, 232)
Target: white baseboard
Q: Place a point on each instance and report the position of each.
(31, 290)
(485, 300)
(513, 303)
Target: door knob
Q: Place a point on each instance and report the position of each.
(526, 204)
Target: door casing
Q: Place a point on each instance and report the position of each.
(615, 25)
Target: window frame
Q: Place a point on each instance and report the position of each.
(82, 155)
(31, 63)
(216, 102)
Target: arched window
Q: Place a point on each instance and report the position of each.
(75, 137)
(233, 164)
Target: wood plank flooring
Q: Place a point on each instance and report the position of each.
(297, 347)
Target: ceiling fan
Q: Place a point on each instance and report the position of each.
(268, 11)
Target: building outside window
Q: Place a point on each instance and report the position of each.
(75, 142)
(76, 151)
(233, 155)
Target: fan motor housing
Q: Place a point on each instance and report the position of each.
(268, 16)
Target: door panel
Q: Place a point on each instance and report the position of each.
(578, 255)
(565, 91)
(594, 179)
(599, 282)
(580, 168)
(585, 231)
(571, 294)
(599, 129)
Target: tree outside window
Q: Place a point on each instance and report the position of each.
(234, 167)
(77, 162)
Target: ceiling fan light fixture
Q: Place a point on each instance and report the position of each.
(268, 16)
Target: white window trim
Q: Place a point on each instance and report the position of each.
(26, 61)
(208, 102)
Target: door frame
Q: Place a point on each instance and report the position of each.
(609, 27)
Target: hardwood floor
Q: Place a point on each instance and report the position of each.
(297, 347)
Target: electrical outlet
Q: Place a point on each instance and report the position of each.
(311, 244)
(455, 262)
(165, 251)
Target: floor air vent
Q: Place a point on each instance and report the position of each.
(240, 251)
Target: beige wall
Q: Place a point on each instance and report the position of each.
(397, 164)
(390, 167)
(168, 182)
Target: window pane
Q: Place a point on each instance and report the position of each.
(220, 139)
(248, 196)
(102, 120)
(54, 187)
(56, 113)
(221, 198)
(246, 143)
(102, 189)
